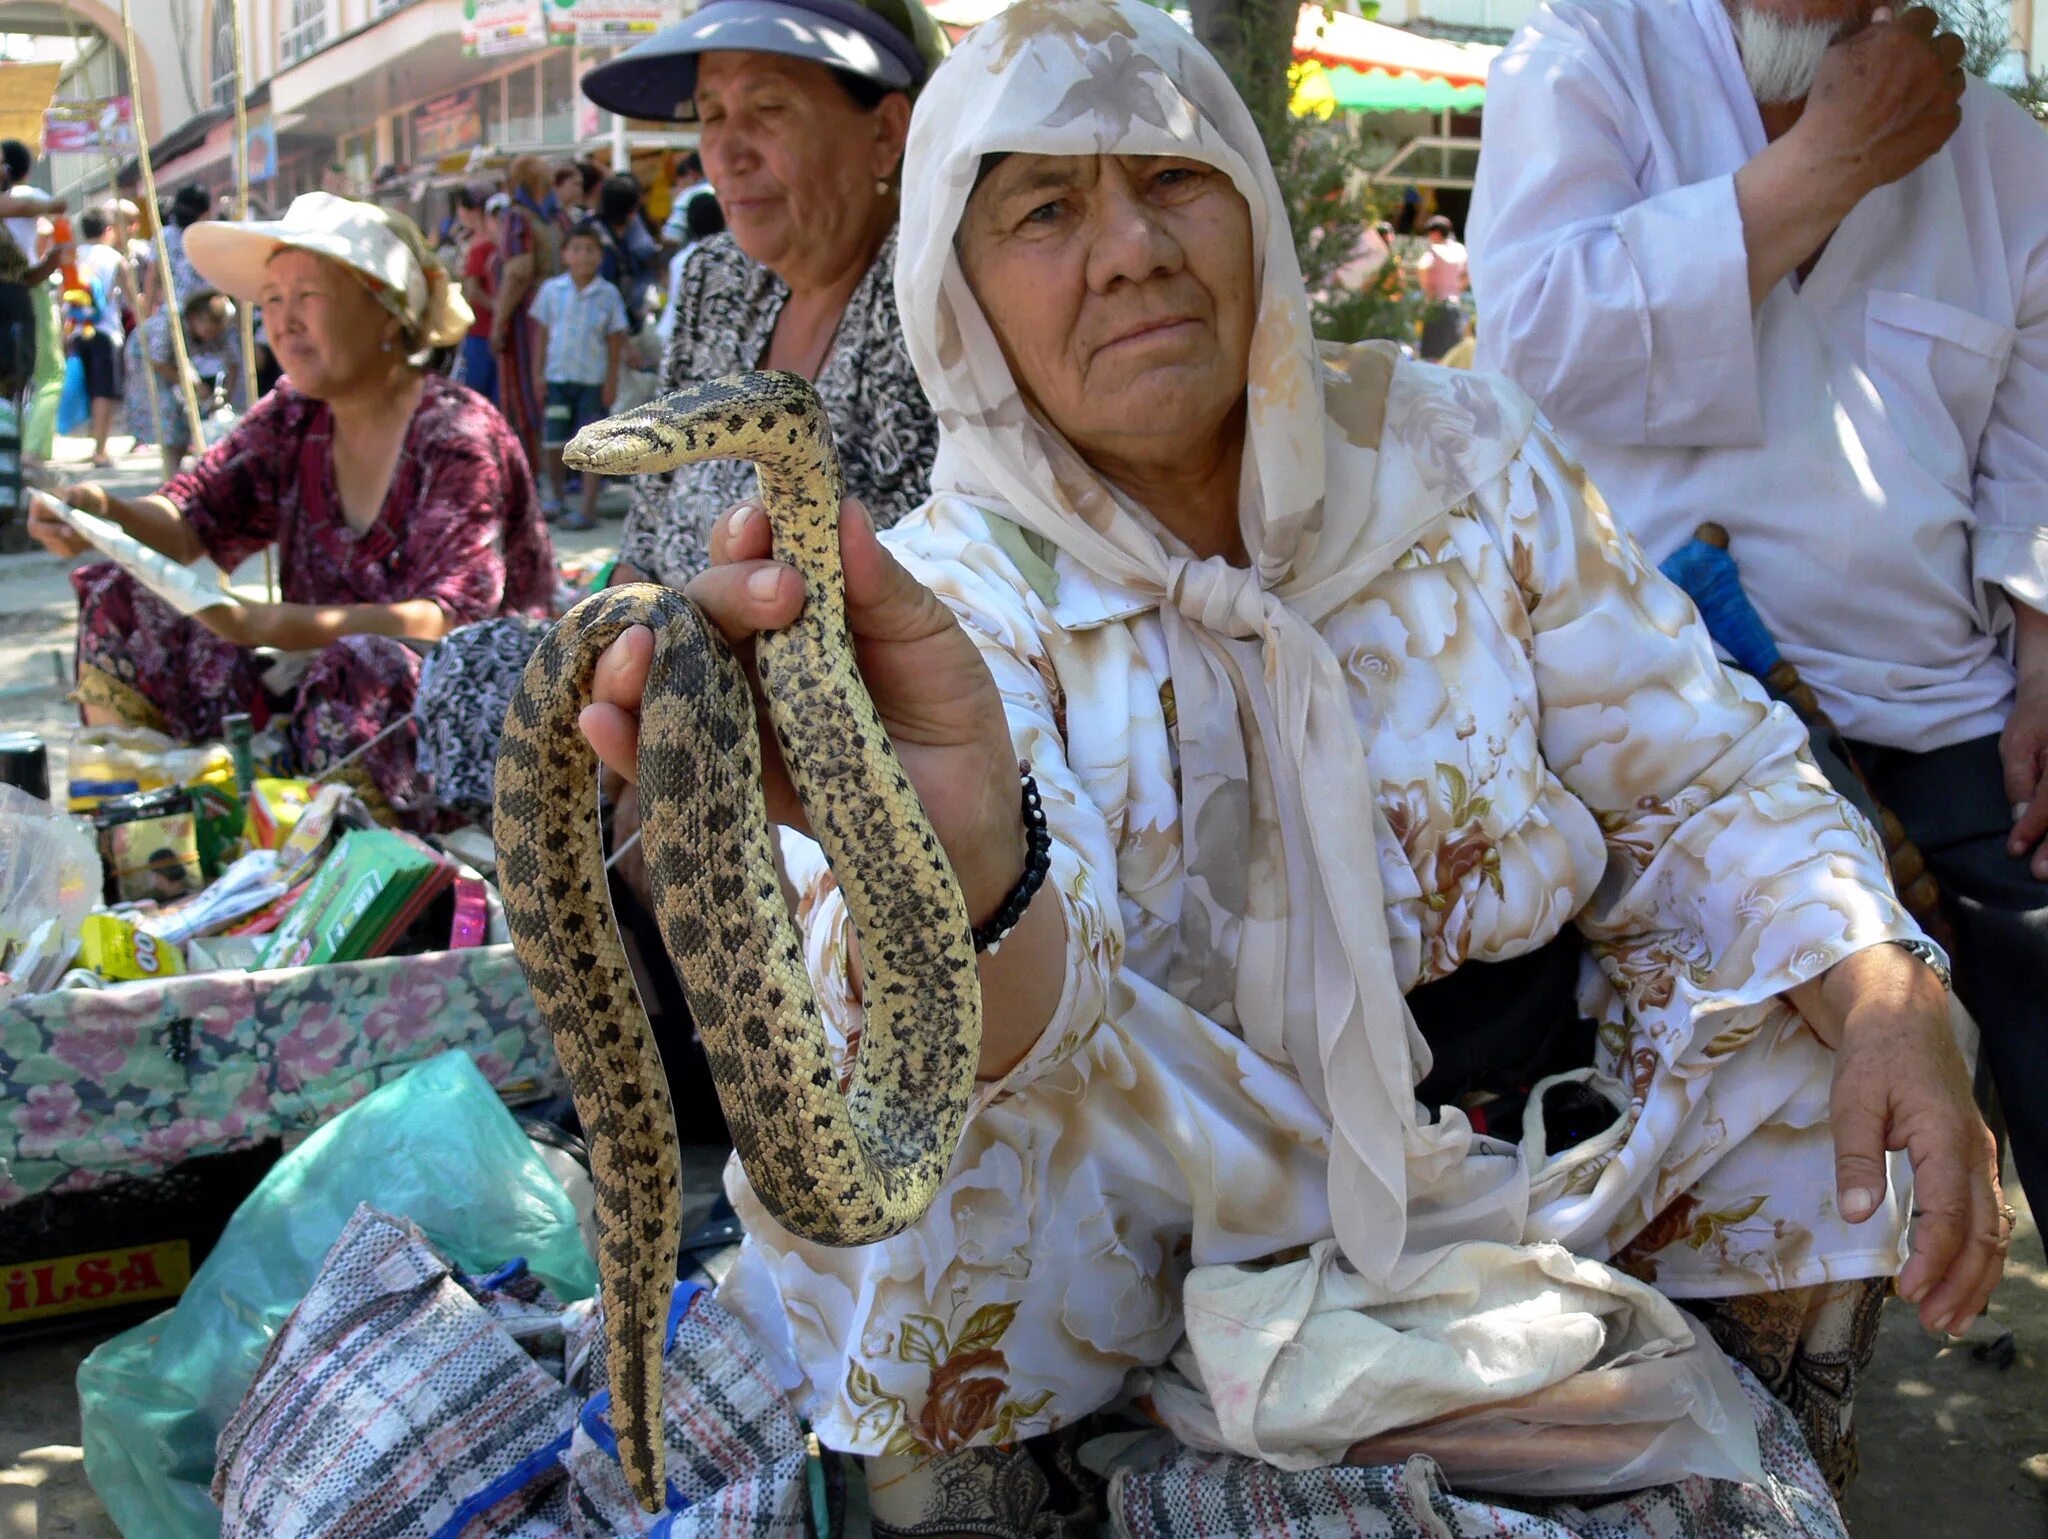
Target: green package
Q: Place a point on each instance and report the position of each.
(364, 883)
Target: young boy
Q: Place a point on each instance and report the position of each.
(217, 363)
(580, 321)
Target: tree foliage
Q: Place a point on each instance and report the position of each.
(1989, 50)
(1320, 166)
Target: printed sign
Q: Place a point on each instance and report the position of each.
(501, 26)
(263, 151)
(603, 23)
(101, 1279)
(447, 125)
(96, 123)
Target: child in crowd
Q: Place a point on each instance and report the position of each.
(580, 330)
(209, 318)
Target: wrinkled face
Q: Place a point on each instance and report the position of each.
(1122, 290)
(794, 158)
(326, 330)
(582, 256)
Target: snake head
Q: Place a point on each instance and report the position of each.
(773, 419)
(642, 440)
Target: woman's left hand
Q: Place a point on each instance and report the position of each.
(1900, 1083)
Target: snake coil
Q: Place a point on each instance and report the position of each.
(838, 1165)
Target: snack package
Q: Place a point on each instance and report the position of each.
(106, 761)
(358, 902)
(149, 841)
(117, 951)
(472, 919)
(274, 809)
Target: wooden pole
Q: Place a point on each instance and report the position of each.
(163, 247)
(156, 408)
(246, 310)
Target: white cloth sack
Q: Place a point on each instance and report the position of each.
(1517, 1368)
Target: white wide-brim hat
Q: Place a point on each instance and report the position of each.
(232, 254)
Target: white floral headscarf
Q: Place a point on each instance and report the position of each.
(1278, 817)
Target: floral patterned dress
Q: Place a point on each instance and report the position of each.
(460, 525)
(1552, 743)
(725, 312)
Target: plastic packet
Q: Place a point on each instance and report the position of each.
(49, 869)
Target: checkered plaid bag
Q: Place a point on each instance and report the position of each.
(405, 1400)
(1185, 1493)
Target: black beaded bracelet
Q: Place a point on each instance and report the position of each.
(1037, 861)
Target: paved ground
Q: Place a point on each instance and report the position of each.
(1951, 1446)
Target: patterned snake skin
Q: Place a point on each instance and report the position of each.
(839, 1167)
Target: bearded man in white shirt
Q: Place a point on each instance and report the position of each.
(1778, 264)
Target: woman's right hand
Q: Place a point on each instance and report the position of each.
(52, 533)
(927, 679)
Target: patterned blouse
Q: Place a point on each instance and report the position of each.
(1552, 743)
(460, 524)
(726, 309)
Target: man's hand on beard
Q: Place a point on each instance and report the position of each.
(1886, 98)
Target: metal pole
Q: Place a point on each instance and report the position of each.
(156, 408)
(163, 247)
(247, 310)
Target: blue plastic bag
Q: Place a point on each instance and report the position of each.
(74, 406)
(436, 1146)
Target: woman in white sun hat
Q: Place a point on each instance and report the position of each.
(399, 502)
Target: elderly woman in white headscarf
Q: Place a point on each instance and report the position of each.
(399, 502)
(1383, 780)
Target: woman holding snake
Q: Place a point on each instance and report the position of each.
(1384, 778)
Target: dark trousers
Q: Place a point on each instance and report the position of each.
(1952, 804)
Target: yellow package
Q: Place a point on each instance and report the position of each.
(119, 952)
(111, 761)
(274, 808)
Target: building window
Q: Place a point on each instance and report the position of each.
(224, 54)
(385, 7)
(490, 110)
(522, 113)
(557, 96)
(306, 31)
(358, 156)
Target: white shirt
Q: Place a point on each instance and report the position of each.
(23, 226)
(1875, 439)
(99, 262)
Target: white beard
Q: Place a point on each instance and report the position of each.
(1780, 57)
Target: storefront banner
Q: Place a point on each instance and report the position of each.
(96, 123)
(604, 23)
(447, 125)
(501, 26)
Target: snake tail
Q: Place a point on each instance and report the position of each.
(552, 876)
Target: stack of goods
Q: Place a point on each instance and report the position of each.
(206, 863)
(199, 963)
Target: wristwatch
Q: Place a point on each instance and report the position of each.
(1930, 953)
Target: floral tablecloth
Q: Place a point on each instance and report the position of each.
(99, 1086)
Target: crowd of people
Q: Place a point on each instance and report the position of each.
(1422, 889)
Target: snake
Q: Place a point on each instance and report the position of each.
(836, 1158)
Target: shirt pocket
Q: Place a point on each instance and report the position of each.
(1937, 367)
